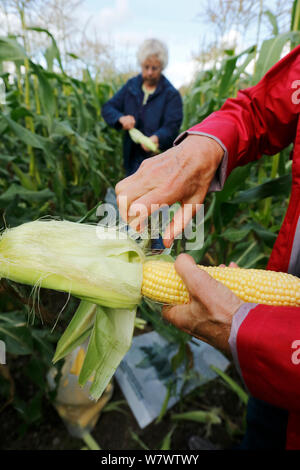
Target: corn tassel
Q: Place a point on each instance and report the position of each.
(162, 284)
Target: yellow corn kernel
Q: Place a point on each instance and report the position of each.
(77, 364)
(162, 284)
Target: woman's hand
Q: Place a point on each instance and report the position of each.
(209, 314)
(181, 174)
(127, 122)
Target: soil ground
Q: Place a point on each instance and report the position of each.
(115, 430)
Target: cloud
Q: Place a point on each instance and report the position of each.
(231, 39)
(9, 23)
(181, 72)
(111, 17)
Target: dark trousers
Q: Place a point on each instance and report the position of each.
(266, 426)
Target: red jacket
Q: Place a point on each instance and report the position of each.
(265, 340)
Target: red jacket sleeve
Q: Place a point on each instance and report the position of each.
(265, 340)
(262, 119)
(268, 354)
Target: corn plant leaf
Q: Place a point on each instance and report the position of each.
(11, 50)
(232, 384)
(61, 129)
(166, 443)
(28, 137)
(275, 187)
(17, 338)
(25, 194)
(54, 49)
(25, 179)
(227, 72)
(270, 52)
(295, 17)
(273, 21)
(46, 94)
(7, 158)
(235, 235)
(234, 181)
(198, 416)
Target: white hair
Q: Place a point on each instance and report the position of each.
(153, 47)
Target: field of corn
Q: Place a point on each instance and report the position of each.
(57, 159)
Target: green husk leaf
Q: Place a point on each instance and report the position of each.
(98, 265)
(77, 331)
(110, 340)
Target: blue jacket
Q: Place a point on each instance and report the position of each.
(161, 115)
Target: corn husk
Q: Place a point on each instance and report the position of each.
(102, 267)
(139, 138)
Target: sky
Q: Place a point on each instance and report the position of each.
(126, 23)
(179, 23)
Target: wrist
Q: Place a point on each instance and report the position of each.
(201, 155)
(202, 144)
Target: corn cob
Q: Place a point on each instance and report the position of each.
(162, 283)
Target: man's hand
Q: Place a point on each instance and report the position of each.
(209, 314)
(154, 139)
(127, 122)
(181, 174)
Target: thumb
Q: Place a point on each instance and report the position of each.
(210, 293)
(197, 281)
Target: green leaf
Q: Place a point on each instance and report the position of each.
(61, 129)
(36, 371)
(55, 51)
(273, 20)
(110, 340)
(25, 179)
(11, 50)
(234, 181)
(179, 357)
(17, 339)
(46, 94)
(77, 331)
(276, 187)
(198, 416)
(270, 53)
(232, 384)
(26, 136)
(136, 438)
(25, 194)
(235, 235)
(166, 443)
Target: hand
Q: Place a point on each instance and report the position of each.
(127, 122)
(209, 314)
(154, 139)
(232, 264)
(181, 174)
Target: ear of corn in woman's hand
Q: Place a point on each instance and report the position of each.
(163, 284)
